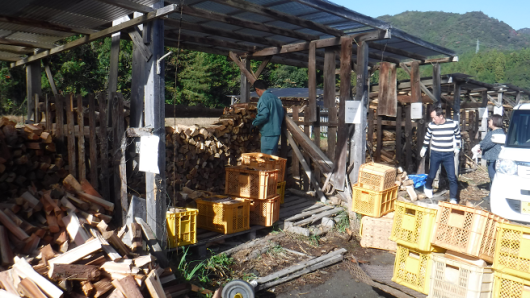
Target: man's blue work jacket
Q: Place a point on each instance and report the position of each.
(270, 115)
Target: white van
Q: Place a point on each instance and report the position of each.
(510, 192)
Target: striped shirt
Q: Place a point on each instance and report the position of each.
(443, 137)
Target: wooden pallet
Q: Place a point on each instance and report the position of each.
(296, 215)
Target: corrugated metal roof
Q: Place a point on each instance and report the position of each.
(98, 14)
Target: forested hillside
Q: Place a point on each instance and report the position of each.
(197, 78)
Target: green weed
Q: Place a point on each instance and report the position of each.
(313, 240)
(276, 250)
(342, 221)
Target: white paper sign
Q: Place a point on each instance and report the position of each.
(416, 110)
(498, 110)
(482, 113)
(353, 111)
(149, 154)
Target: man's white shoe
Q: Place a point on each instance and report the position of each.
(453, 201)
(428, 192)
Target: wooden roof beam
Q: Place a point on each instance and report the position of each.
(16, 49)
(209, 41)
(280, 16)
(44, 24)
(320, 43)
(221, 33)
(103, 33)
(210, 15)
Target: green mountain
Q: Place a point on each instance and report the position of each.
(460, 32)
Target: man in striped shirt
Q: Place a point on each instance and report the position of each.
(444, 137)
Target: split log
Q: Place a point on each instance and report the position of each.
(5, 250)
(28, 288)
(135, 232)
(73, 272)
(75, 229)
(12, 227)
(102, 287)
(154, 246)
(154, 286)
(24, 270)
(128, 287)
(77, 253)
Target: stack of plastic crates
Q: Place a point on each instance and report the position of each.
(264, 161)
(512, 261)
(412, 230)
(223, 214)
(375, 193)
(469, 235)
(259, 188)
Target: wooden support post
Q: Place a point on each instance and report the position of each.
(71, 134)
(370, 133)
(310, 112)
(316, 133)
(329, 99)
(388, 90)
(436, 83)
(49, 75)
(408, 139)
(358, 156)
(295, 165)
(154, 117)
(118, 160)
(456, 102)
(244, 93)
(33, 86)
(283, 139)
(59, 120)
(339, 173)
(415, 89)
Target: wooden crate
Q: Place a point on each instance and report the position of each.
(374, 176)
(375, 232)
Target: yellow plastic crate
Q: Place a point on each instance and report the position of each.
(264, 212)
(223, 214)
(413, 226)
(412, 269)
(251, 183)
(466, 230)
(508, 286)
(281, 191)
(181, 226)
(512, 250)
(373, 203)
(376, 176)
(457, 279)
(264, 161)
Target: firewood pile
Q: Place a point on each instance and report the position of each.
(196, 156)
(66, 249)
(27, 157)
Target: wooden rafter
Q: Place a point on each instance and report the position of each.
(103, 33)
(44, 24)
(222, 33)
(27, 44)
(258, 9)
(399, 52)
(206, 14)
(209, 41)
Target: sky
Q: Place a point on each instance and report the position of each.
(513, 12)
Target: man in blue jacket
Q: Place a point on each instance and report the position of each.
(269, 118)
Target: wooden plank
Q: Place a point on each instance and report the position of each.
(70, 134)
(119, 145)
(47, 113)
(295, 164)
(415, 80)
(59, 115)
(155, 248)
(77, 253)
(307, 169)
(399, 149)
(128, 287)
(24, 270)
(316, 217)
(339, 174)
(308, 213)
(154, 286)
(436, 82)
(359, 138)
(104, 154)
(329, 98)
(311, 84)
(33, 86)
(384, 80)
(92, 140)
(377, 155)
(102, 287)
(103, 33)
(408, 140)
(107, 248)
(81, 138)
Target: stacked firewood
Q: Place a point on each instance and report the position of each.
(27, 156)
(196, 156)
(66, 249)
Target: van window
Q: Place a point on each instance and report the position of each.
(519, 131)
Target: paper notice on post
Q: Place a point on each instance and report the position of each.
(498, 110)
(353, 111)
(149, 154)
(483, 113)
(416, 110)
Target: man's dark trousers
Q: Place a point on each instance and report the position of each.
(448, 161)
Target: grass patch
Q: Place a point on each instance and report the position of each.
(276, 250)
(205, 273)
(342, 221)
